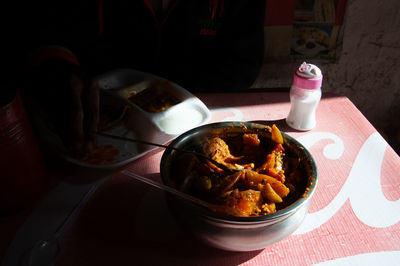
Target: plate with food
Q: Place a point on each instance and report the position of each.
(142, 106)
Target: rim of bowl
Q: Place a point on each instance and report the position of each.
(287, 211)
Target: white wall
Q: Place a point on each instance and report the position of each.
(368, 71)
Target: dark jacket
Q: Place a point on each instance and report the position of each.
(203, 45)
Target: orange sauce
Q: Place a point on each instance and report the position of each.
(154, 99)
(102, 155)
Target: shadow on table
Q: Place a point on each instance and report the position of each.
(280, 123)
(128, 223)
(62, 170)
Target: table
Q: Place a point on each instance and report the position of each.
(354, 217)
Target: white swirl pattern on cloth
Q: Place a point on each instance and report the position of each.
(365, 176)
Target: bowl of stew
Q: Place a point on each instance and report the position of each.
(262, 200)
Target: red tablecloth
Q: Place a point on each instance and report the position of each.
(353, 218)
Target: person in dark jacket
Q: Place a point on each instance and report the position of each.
(202, 45)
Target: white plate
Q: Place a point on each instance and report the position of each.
(160, 127)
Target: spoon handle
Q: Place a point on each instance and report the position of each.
(220, 165)
(149, 143)
(45, 251)
(75, 211)
(167, 189)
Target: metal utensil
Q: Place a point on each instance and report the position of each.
(213, 207)
(45, 251)
(168, 189)
(200, 155)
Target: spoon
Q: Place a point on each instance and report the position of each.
(45, 251)
(213, 207)
(169, 189)
(201, 155)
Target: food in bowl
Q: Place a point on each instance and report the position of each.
(270, 177)
(225, 230)
(155, 97)
(101, 155)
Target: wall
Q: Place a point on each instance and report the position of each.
(368, 69)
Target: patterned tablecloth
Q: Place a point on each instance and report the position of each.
(354, 217)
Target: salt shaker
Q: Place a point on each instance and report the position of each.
(305, 95)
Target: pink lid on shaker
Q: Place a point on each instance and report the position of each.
(308, 76)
